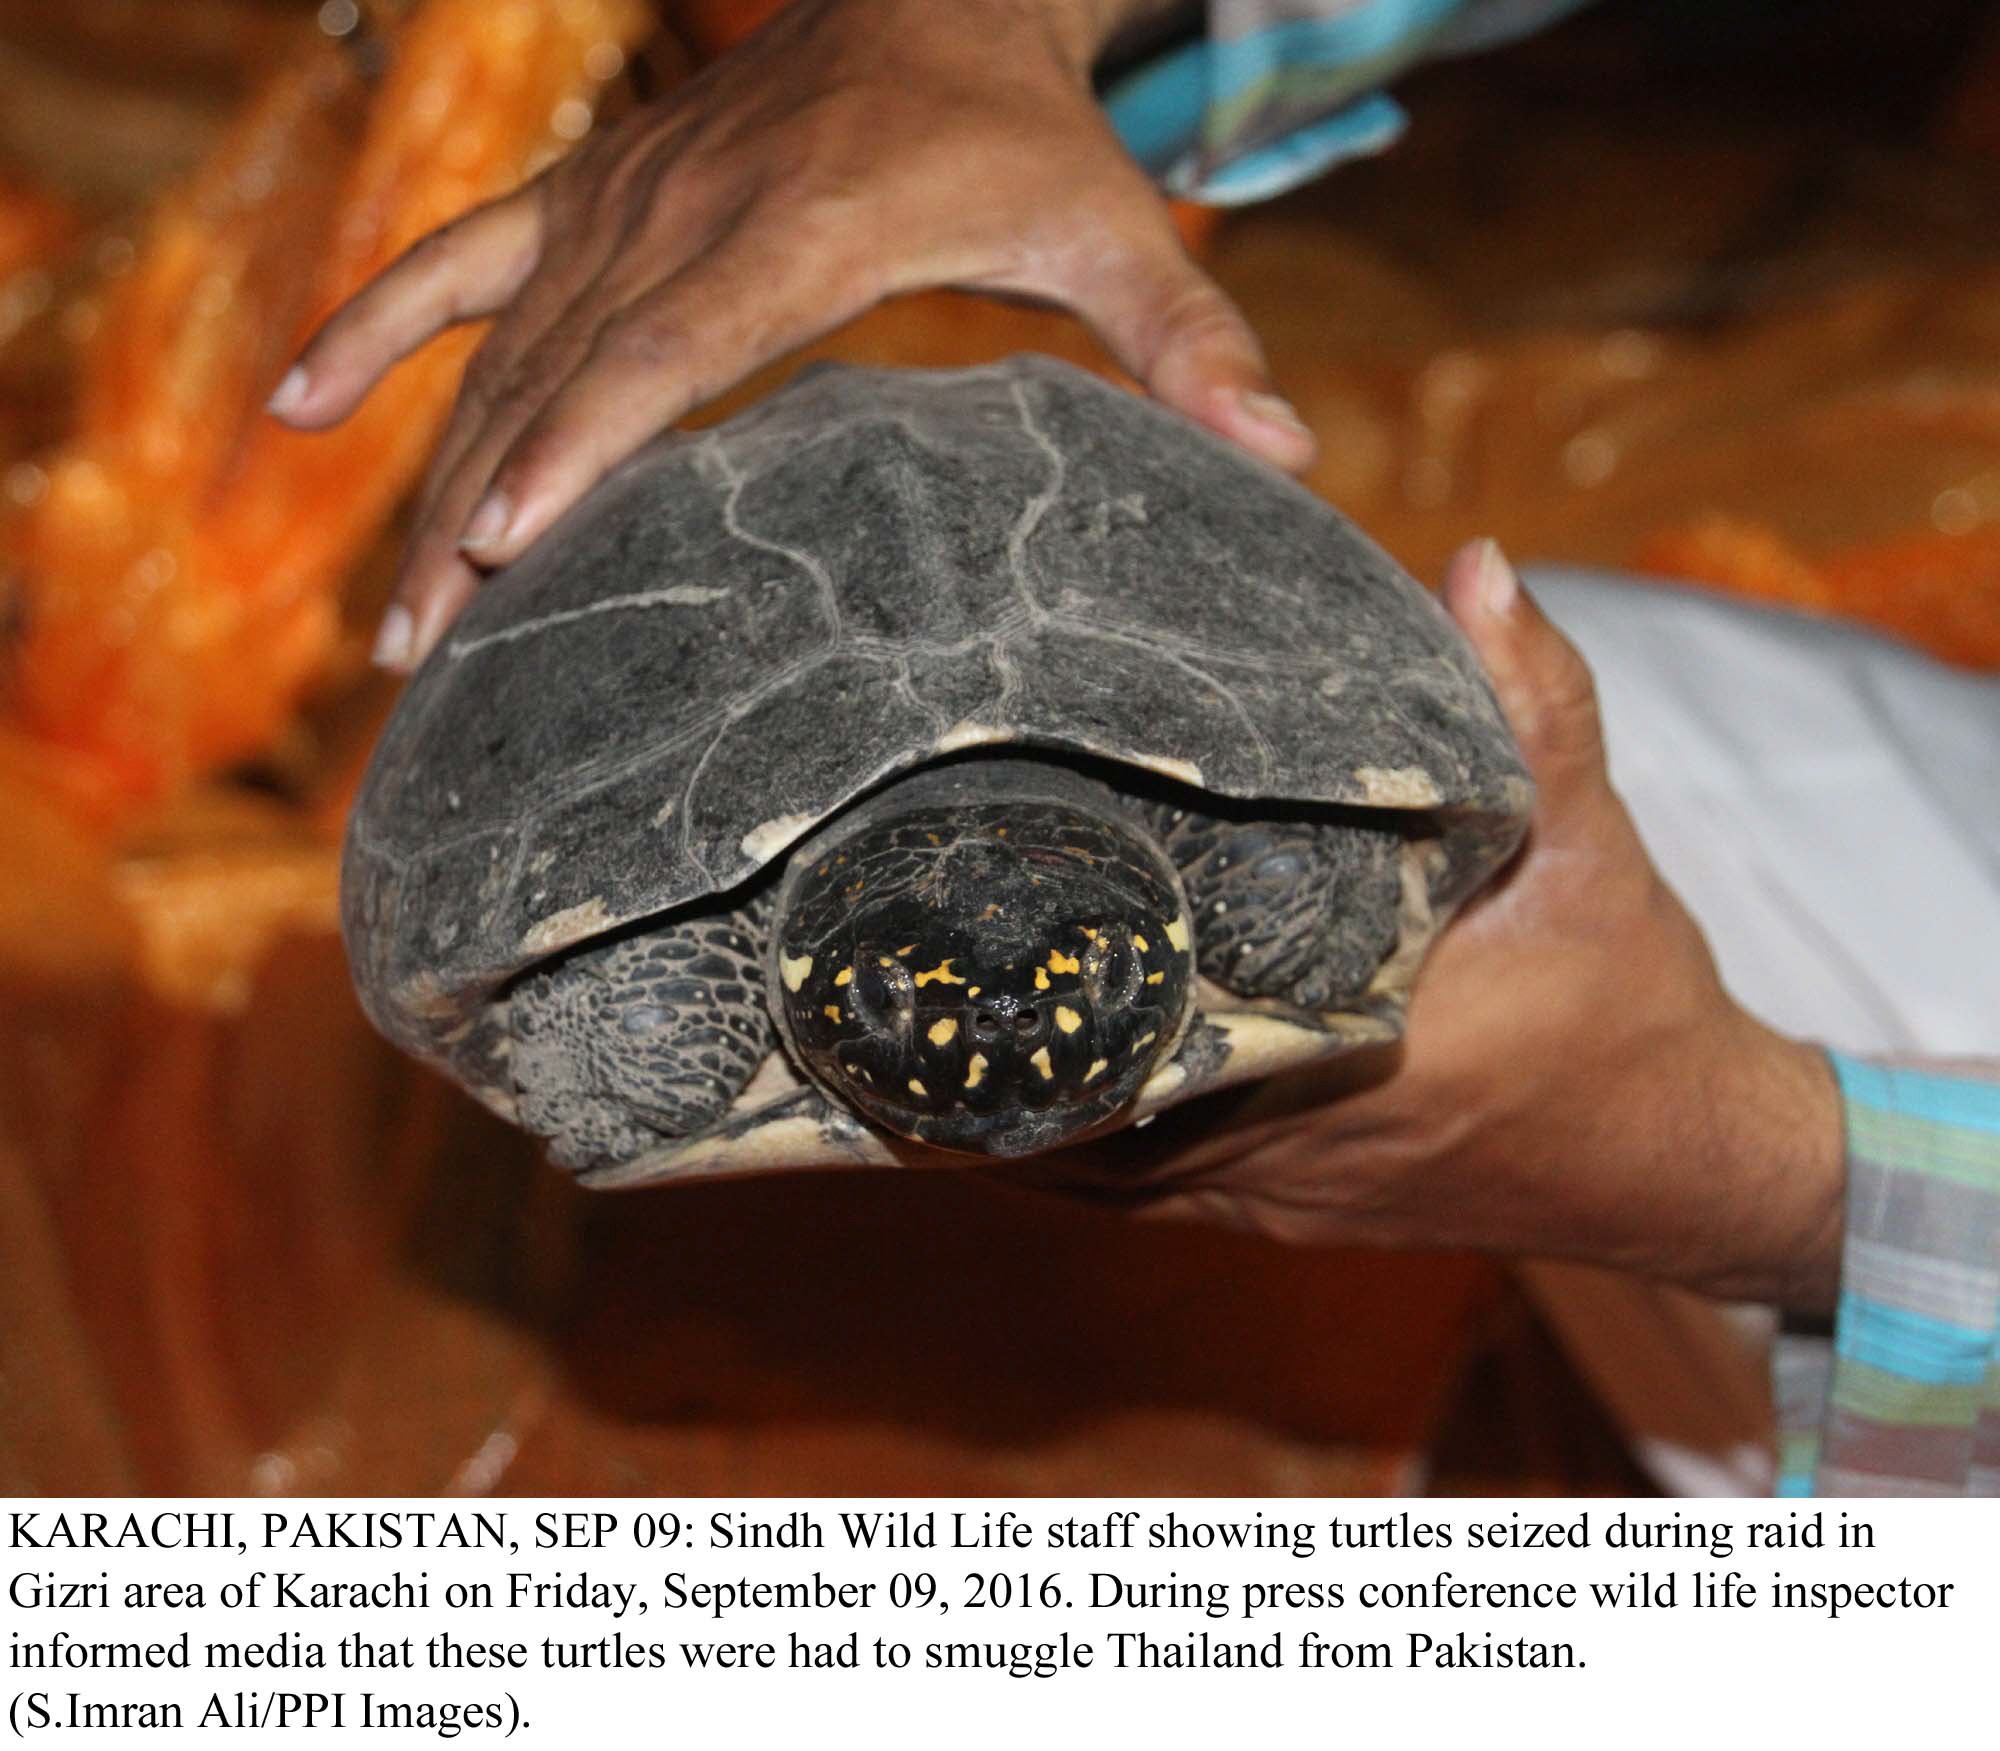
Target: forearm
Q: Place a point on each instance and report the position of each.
(1764, 1133)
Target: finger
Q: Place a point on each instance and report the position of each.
(516, 367)
(684, 344)
(470, 268)
(411, 627)
(504, 385)
(1181, 335)
(533, 350)
(434, 580)
(1541, 680)
(437, 578)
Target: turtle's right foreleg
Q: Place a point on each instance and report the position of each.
(628, 1043)
(1300, 910)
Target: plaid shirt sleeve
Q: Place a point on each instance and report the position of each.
(1903, 1396)
(1276, 91)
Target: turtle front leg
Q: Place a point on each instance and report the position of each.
(646, 1038)
(1298, 909)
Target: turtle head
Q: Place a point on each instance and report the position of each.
(997, 978)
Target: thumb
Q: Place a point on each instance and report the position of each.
(1542, 682)
(1182, 336)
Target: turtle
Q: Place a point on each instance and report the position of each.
(919, 766)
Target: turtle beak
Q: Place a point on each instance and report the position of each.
(1006, 1127)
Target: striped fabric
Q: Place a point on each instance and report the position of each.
(1903, 1396)
(1278, 91)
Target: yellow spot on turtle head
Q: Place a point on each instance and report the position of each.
(941, 972)
(884, 961)
(1140, 943)
(1087, 931)
(1177, 934)
(1041, 1062)
(832, 1012)
(972, 990)
(999, 832)
(1041, 978)
(1067, 1019)
(1098, 1066)
(905, 949)
(793, 969)
(1154, 978)
(933, 838)
(942, 1031)
(917, 1087)
(844, 977)
(975, 1070)
(1144, 1040)
(1062, 963)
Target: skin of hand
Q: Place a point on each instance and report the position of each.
(849, 151)
(1574, 1082)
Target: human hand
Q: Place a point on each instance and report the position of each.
(849, 151)
(1575, 1081)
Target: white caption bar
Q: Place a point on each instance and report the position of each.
(1636, 1623)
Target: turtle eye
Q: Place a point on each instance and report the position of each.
(1111, 970)
(884, 994)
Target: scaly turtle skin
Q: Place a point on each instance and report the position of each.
(958, 761)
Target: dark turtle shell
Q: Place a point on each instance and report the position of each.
(743, 630)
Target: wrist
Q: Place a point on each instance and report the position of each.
(1777, 1165)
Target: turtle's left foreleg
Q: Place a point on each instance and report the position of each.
(647, 1037)
(1299, 909)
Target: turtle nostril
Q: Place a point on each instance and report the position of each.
(1027, 1021)
(986, 1023)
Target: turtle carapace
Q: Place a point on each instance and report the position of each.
(960, 761)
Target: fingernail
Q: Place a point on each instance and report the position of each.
(393, 641)
(1274, 410)
(489, 522)
(437, 617)
(1499, 588)
(290, 394)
